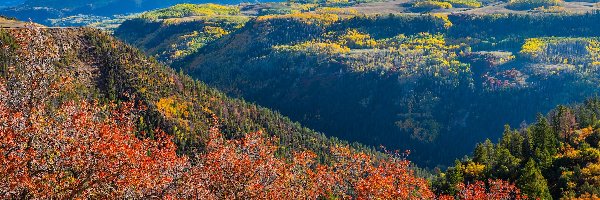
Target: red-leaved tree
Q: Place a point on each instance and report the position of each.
(77, 153)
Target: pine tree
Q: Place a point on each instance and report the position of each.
(513, 141)
(455, 176)
(563, 122)
(484, 153)
(505, 165)
(544, 142)
(532, 183)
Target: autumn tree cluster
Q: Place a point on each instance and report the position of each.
(61, 137)
(555, 157)
(87, 151)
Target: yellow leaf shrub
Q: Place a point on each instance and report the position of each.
(172, 107)
(357, 40)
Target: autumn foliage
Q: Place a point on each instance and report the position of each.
(78, 154)
(496, 189)
(84, 150)
(56, 142)
(249, 168)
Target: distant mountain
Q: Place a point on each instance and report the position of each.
(110, 7)
(41, 11)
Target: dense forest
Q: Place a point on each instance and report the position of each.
(176, 103)
(85, 116)
(420, 82)
(302, 99)
(77, 103)
(557, 156)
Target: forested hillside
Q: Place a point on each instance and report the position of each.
(424, 82)
(173, 33)
(99, 68)
(84, 116)
(558, 156)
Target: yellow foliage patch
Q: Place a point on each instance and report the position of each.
(308, 18)
(592, 173)
(337, 11)
(584, 133)
(355, 39)
(172, 107)
(215, 31)
(474, 169)
(444, 17)
(532, 47)
(430, 5)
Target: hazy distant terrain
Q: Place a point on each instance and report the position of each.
(83, 12)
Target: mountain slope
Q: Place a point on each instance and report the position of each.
(104, 69)
(557, 157)
(84, 116)
(419, 82)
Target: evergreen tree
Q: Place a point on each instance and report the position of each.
(484, 153)
(544, 142)
(587, 114)
(563, 122)
(505, 164)
(512, 141)
(532, 183)
(455, 176)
